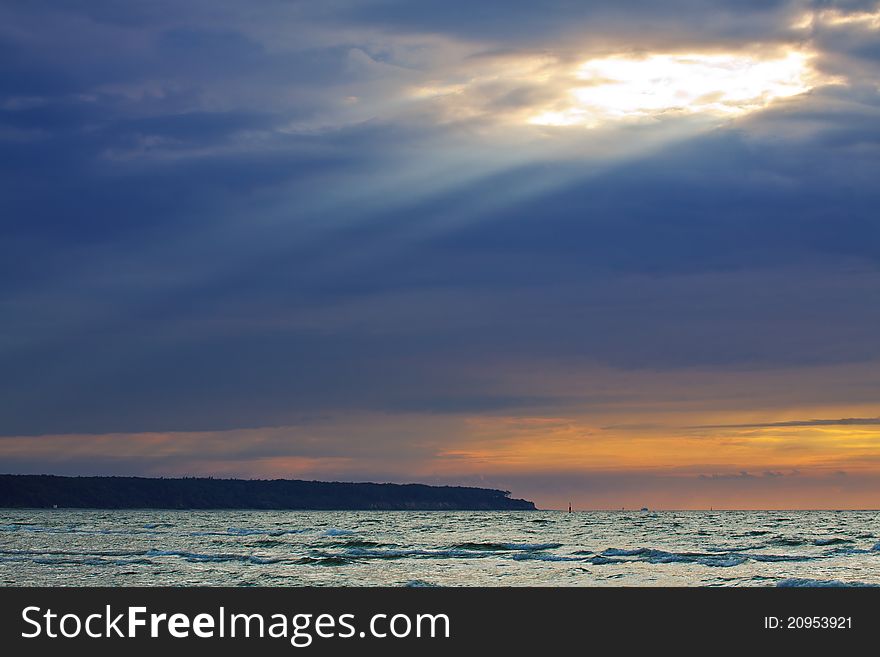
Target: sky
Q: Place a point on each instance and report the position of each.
(618, 254)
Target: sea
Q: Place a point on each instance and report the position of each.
(438, 548)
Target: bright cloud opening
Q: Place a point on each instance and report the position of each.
(727, 85)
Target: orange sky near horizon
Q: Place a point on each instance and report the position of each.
(780, 461)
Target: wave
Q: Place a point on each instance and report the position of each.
(77, 558)
(49, 561)
(367, 553)
(126, 562)
(245, 531)
(16, 527)
(196, 557)
(503, 547)
(599, 560)
(357, 543)
(539, 552)
(617, 552)
(74, 553)
(420, 583)
(831, 541)
(338, 532)
(266, 542)
(323, 561)
(72, 561)
(459, 551)
(772, 558)
(260, 544)
(798, 582)
(739, 548)
(848, 550)
(718, 560)
(543, 556)
(726, 561)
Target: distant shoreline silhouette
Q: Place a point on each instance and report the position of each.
(50, 491)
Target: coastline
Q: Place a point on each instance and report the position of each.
(208, 493)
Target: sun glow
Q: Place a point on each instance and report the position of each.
(727, 85)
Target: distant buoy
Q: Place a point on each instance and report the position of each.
(569, 507)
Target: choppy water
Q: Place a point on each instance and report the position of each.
(286, 548)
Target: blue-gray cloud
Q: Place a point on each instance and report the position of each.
(203, 230)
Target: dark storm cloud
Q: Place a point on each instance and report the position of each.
(521, 21)
(206, 222)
